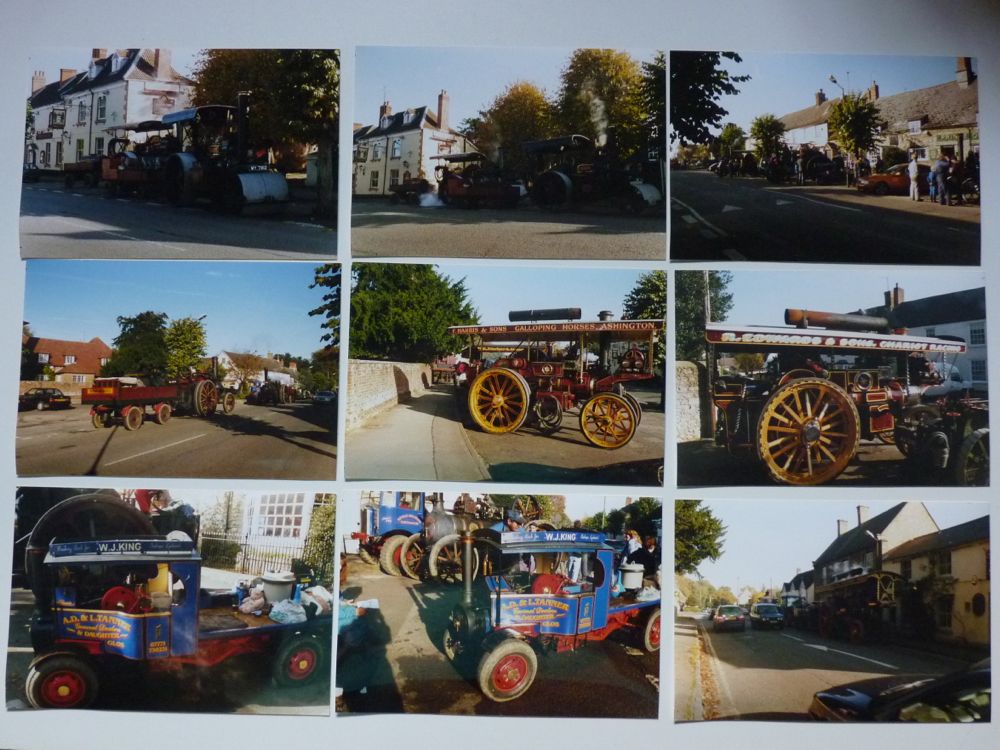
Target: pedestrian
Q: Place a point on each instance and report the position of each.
(914, 171)
(932, 186)
(955, 176)
(800, 168)
(940, 170)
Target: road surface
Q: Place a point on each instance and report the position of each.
(752, 219)
(379, 228)
(772, 674)
(292, 441)
(411, 673)
(83, 222)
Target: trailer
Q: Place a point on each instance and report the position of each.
(104, 604)
(124, 400)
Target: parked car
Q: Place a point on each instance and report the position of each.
(766, 615)
(960, 697)
(43, 398)
(729, 617)
(894, 180)
(325, 397)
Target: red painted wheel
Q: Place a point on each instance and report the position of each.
(299, 661)
(64, 681)
(132, 417)
(651, 633)
(506, 672)
(161, 413)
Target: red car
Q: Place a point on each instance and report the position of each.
(729, 617)
(895, 180)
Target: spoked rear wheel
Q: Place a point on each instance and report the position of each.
(498, 400)
(972, 465)
(607, 421)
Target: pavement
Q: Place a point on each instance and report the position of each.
(687, 660)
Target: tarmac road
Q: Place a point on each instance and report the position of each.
(84, 223)
(609, 678)
(293, 441)
(379, 228)
(751, 219)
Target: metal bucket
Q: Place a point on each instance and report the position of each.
(632, 575)
(278, 586)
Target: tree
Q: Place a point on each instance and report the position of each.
(185, 341)
(521, 113)
(245, 366)
(696, 85)
(732, 139)
(698, 535)
(296, 101)
(854, 123)
(689, 309)
(225, 516)
(653, 93)
(648, 301)
(768, 133)
(320, 540)
(725, 595)
(693, 154)
(140, 347)
(31, 368)
(402, 312)
(327, 277)
(749, 362)
(602, 90)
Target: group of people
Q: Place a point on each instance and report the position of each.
(944, 181)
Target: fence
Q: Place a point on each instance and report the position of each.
(253, 558)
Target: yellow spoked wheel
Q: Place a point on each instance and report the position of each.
(808, 432)
(607, 421)
(498, 400)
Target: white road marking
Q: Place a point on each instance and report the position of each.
(819, 203)
(700, 218)
(727, 208)
(734, 254)
(793, 637)
(20, 650)
(77, 195)
(780, 202)
(153, 450)
(420, 598)
(820, 647)
(689, 219)
(303, 224)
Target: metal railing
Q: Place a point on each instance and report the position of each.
(240, 554)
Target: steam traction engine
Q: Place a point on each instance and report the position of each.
(820, 390)
(546, 369)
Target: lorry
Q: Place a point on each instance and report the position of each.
(109, 602)
(388, 519)
(552, 591)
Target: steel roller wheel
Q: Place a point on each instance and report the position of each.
(507, 671)
(410, 555)
(206, 398)
(972, 464)
(651, 633)
(63, 681)
(498, 400)
(161, 413)
(228, 402)
(548, 414)
(808, 432)
(388, 557)
(299, 661)
(444, 561)
(607, 421)
(132, 417)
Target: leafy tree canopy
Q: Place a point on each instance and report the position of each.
(698, 535)
(521, 113)
(697, 82)
(186, 345)
(732, 138)
(768, 132)
(648, 301)
(689, 308)
(654, 100)
(327, 277)
(140, 348)
(854, 123)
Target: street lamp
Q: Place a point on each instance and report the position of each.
(833, 80)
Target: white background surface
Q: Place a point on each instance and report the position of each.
(970, 28)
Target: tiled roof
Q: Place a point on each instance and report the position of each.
(88, 353)
(956, 536)
(953, 307)
(855, 540)
(814, 115)
(397, 124)
(141, 63)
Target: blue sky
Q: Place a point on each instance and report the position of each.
(496, 290)
(760, 297)
(260, 307)
(768, 540)
(473, 76)
(784, 83)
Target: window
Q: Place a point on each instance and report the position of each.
(393, 177)
(373, 181)
(941, 563)
(378, 151)
(81, 113)
(906, 569)
(921, 153)
(104, 361)
(98, 146)
(361, 154)
(978, 369)
(47, 155)
(397, 148)
(79, 149)
(102, 108)
(914, 126)
(977, 334)
(69, 359)
(942, 610)
(43, 359)
(59, 153)
(80, 379)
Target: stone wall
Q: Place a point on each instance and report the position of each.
(373, 387)
(692, 419)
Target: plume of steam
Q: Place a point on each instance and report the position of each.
(598, 113)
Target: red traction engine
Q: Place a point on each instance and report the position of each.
(124, 400)
(547, 369)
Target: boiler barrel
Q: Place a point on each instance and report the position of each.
(558, 313)
(846, 321)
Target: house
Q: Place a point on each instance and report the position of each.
(400, 147)
(950, 571)
(961, 314)
(71, 362)
(936, 120)
(800, 588)
(243, 367)
(74, 116)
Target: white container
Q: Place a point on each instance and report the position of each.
(279, 586)
(632, 575)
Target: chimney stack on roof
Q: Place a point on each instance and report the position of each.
(65, 74)
(841, 526)
(385, 110)
(873, 92)
(161, 61)
(442, 113)
(820, 97)
(98, 54)
(963, 72)
(862, 515)
(37, 81)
